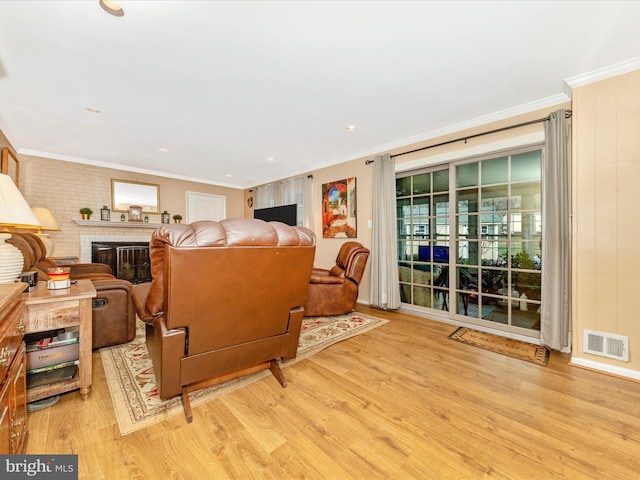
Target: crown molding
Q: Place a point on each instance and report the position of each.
(543, 103)
(475, 122)
(115, 166)
(603, 73)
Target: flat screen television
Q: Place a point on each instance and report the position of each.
(440, 254)
(285, 213)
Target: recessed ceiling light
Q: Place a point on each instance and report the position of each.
(163, 149)
(270, 159)
(112, 8)
(229, 175)
(93, 109)
(351, 128)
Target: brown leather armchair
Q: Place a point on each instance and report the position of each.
(335, 291)
(113, 313)
(226, 299)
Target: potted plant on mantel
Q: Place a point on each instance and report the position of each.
(177, 218)
(86, 213)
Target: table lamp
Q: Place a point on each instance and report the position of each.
(14, 212)
(48, 222)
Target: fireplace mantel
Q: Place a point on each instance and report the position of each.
(100, 223)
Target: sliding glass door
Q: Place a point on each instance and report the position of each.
(470, 240)
(423, 238)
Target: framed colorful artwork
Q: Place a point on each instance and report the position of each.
(339, 219)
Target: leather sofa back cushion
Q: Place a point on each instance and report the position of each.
(247, 291)
(242, 259)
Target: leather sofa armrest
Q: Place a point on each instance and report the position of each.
(110, 283)
(139, 294)
(92, 276)
(320, 271)
(89, 269)
(326, 279)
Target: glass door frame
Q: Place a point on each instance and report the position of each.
(457, 294)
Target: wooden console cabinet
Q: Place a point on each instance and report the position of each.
(13, 385)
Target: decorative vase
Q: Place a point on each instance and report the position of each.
(11, 260)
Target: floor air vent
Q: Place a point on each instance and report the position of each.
(606, 345)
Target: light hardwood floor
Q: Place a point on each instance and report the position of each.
(399, 402)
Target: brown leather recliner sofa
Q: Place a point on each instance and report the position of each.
(226, 300)
(113, 312)
(335, 291)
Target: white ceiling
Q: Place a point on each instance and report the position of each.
(226, 85)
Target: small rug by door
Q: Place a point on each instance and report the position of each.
(506, 346)
(132, 383)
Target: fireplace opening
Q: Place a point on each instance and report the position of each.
(128, 260)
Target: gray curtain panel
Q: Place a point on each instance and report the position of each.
(385, 288)
(556, 233)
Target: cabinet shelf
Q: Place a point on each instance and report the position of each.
(51, 389)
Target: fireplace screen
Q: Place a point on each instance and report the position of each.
(128, 260)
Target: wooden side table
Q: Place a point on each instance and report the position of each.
(67, 307)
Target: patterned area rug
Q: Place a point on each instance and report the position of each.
(506, 346)
(132, 384)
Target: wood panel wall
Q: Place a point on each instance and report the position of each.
(606, 221)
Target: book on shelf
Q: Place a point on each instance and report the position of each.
(45, 357)
(55, 366)
(52, 338)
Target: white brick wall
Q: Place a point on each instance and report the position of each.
(65, 187)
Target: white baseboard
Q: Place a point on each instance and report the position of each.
(605, 368)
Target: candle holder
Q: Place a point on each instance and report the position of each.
(58, 278)
(105, 214)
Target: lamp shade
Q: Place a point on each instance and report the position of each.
(46, 218)
(14, 209)
(14, 212)
(48, 223)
